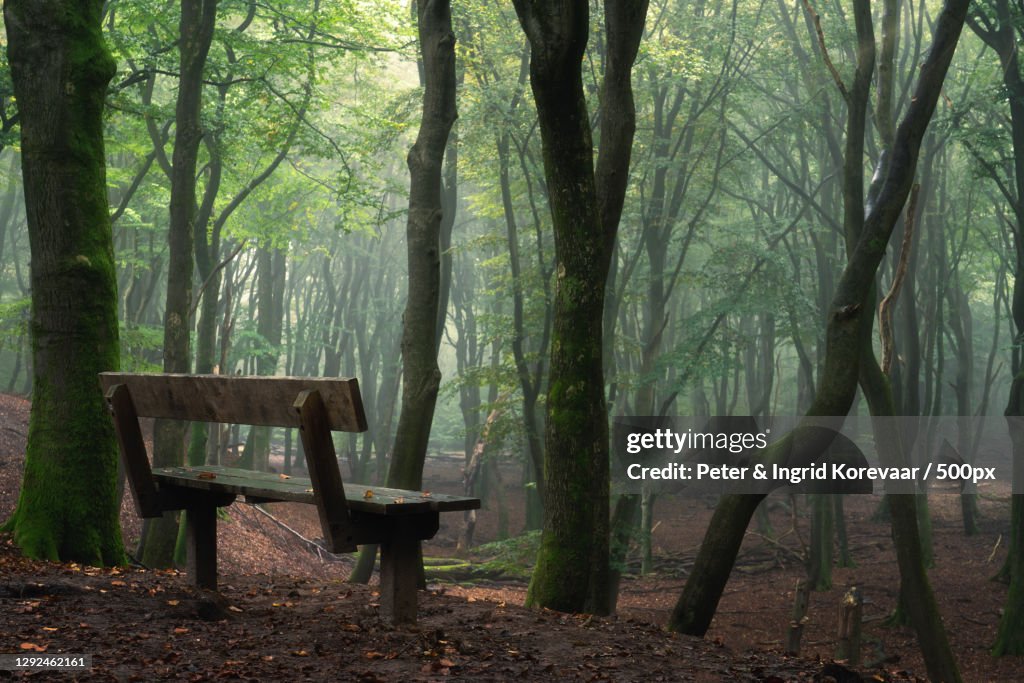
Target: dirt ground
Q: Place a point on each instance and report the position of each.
(284, 611)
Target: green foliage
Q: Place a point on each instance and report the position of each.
(513, 556)
(140, 347)
(14, 317)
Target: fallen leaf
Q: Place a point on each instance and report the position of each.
(33, 647)
(50, 628)
(117, 582)
(400, 500)
(207, 475)
(373, 654)
(300, 653)
(235, 609)
(426, 494)
(285, 476)
(173, 603)
(368, 494)
(181, 630)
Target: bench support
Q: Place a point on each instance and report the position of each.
(398, 578)
(400, 563)
(201, 535)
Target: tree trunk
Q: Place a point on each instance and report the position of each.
(196, 30)
(572, 566)
(60, 67)
(422, 378)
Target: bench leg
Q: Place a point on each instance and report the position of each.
(201, 536)
(399, 577)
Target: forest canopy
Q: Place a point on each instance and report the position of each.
(718, 195)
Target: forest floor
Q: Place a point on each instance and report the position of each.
(284, 611)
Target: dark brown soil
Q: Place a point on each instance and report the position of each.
(285, 613)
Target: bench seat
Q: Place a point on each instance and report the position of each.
(267, 487)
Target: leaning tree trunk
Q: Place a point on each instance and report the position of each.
(848, 320)
(68, 508)
(196, 31)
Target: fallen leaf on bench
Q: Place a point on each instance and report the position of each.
(207, 475)
(285, 476)
(426, 494)
(400, 500)
(368, 494)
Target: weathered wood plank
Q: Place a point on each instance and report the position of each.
(133, 452)
(328, 491)
(240, 400)
(377, 500)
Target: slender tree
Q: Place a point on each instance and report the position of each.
(60, 68)
(196, 29)
(421, 376)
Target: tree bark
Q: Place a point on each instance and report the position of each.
(572, 566)
(60, 67)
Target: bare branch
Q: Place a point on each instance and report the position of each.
(816, 19)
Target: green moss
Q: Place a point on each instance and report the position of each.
(68, 507)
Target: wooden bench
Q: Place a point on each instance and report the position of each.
(350, 514)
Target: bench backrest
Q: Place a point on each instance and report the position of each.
(315, 405)
(265, 401)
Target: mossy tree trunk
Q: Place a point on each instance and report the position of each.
(586, 202)
(60, 67)
(196, 33)
(849, 319)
